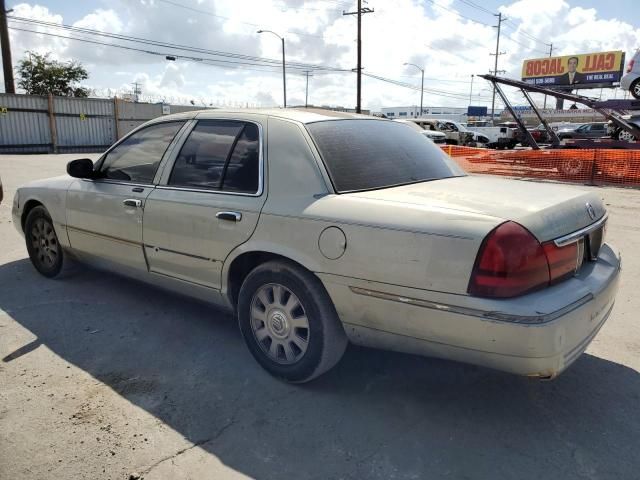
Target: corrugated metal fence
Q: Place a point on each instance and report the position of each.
(36, 124)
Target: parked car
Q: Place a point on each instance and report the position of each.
(433, 135)
(631, 79)
(621, 134)
(586, 130)
(454, 132)
(498, 136)
(318, 228)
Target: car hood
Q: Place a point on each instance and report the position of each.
(61, 182)
(548, 211)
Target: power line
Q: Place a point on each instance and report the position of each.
(208, 61)
(398, 83)
(236, 56)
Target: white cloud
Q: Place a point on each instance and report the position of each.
(450, 47)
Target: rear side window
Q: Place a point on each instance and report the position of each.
(136, 159)
(219, 155)
(372, 154)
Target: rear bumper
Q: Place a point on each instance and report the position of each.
(539, 334)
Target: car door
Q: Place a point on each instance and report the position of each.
(208, 201)
(597, 130)
(104, 215)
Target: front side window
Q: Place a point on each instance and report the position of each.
(372, 154)
(219, 155)
(136, 159)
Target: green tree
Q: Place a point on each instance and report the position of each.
(40, 75)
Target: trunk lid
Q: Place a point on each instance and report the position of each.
(546, 210)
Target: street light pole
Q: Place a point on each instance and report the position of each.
(471, 91)
(284, 74)
(421, 84)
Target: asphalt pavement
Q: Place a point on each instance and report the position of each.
(102, 377)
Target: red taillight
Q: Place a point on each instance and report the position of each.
(630, 66)
(563, 261)
(510, 262)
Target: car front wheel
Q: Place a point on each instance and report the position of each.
(635, 89)
(289, 322)
(44, 249)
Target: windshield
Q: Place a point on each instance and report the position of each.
(371, 154)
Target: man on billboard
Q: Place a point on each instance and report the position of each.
(572, 75)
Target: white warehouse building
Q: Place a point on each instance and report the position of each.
(458, 114)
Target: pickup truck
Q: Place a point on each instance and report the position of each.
(456, 133)
(500, 136)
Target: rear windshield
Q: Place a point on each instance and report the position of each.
(371, 154)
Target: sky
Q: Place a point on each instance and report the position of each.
(452, 39)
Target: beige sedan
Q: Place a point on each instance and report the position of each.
(318, 228)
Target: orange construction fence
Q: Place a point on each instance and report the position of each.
(593, 167)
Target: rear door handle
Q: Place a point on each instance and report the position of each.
(231, 216)
(132, 202)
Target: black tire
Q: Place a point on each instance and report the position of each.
(42, 242)
(623, 136)
(635, 89)
(325, 337)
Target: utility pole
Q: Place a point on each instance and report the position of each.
(550, 53)
(306, 95)
(136, 90)
(495, 68)
(359, 13)
(7, 65)
(471, 90)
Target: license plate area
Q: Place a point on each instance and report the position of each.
(593, 243)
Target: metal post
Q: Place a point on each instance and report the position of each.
(359, 68)
(116, 116)
(306, 91)
(550, 52)
(359, 81)
(421, 91)
(284, 76)
(471, 90)
(5, 47)
(495, 68)
(52, 125)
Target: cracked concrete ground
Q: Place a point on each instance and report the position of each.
(103, 377)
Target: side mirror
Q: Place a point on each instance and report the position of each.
(82, 168)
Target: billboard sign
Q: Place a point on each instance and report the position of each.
(476, 111)
(586, 70)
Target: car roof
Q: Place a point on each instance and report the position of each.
(302, 115)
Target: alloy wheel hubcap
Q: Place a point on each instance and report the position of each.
(45, 243)
(279, 323)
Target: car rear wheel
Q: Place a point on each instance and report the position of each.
(635, 89)
(624, 136)
(44, 249)
(289, 322)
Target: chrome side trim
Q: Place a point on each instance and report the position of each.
(103, 235)
(199, 257)
(204, 190)
(488, 315)
(577, 235)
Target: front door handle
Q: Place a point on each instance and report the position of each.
(231, 216)
(132, 202)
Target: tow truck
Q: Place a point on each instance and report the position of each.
(616, 111)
